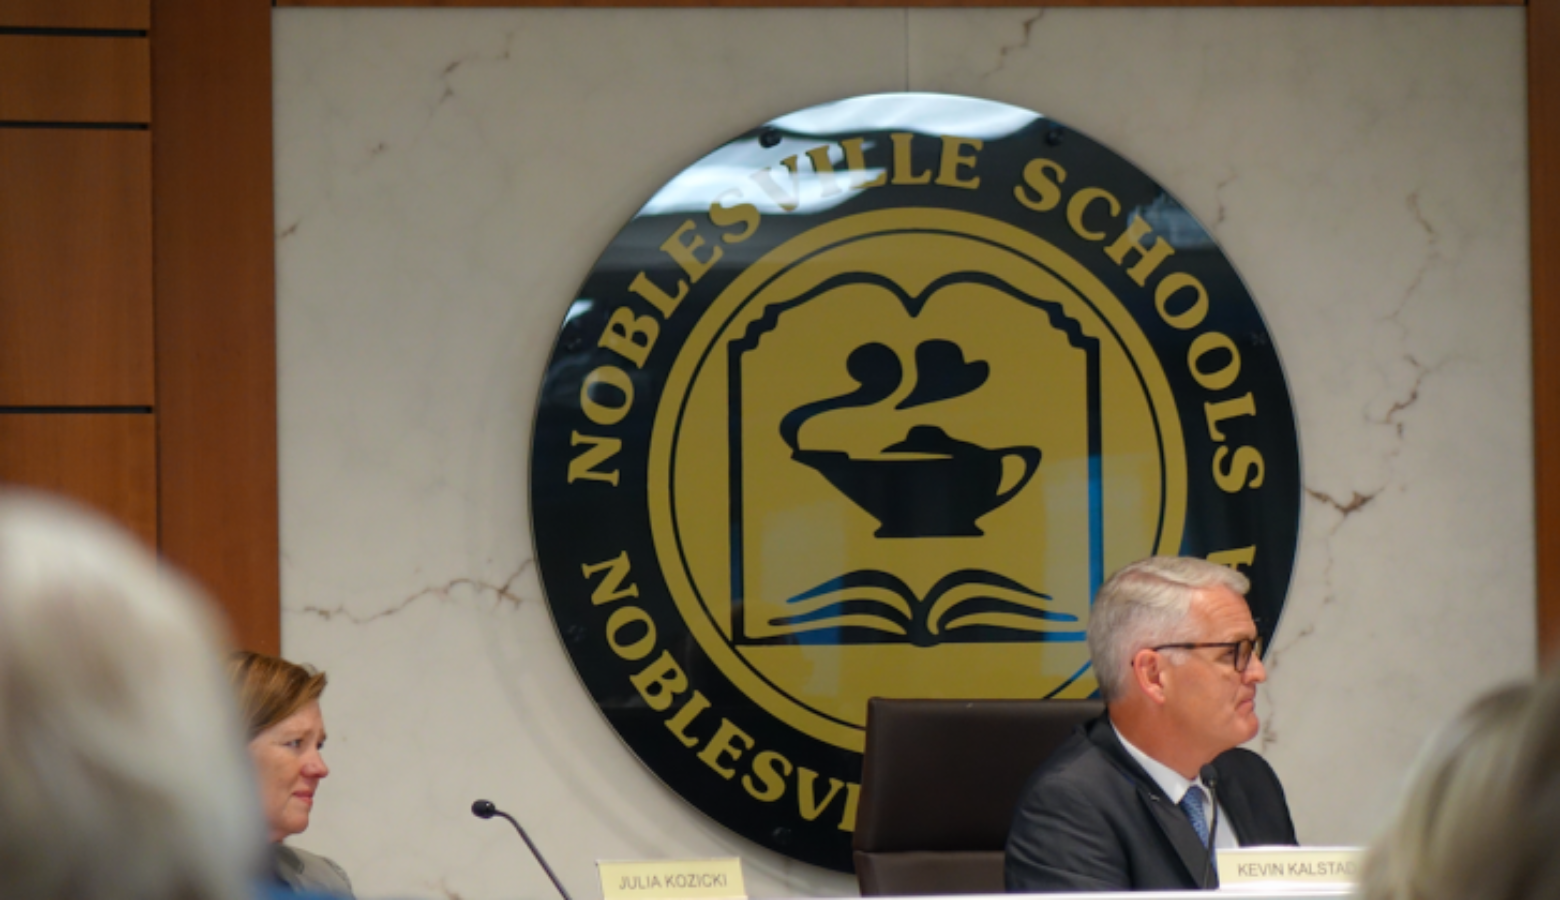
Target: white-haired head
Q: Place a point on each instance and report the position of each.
(122, 765)
(1147, 604)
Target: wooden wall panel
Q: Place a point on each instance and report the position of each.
(75, 267)
(108, 461)
(1544, 218)
(49, 78)
(134, 15)
(1025, 4)
(213, 249)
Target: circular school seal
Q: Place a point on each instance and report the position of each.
(867, 403)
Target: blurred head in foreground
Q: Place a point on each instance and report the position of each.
(121, 771)
(280, 703)
(1482, 807)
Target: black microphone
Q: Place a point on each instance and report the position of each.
(484, 809)
(1210, 777)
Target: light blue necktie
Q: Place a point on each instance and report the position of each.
(1193, 804)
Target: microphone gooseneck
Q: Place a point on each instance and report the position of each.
(484, 809)
(1210, 777)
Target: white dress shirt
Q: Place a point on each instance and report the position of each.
(1175, 787)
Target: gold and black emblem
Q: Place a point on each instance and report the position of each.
(868, 402)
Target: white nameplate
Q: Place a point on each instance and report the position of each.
(698, 879)
(1265, 867)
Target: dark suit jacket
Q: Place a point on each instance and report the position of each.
(1090, 819)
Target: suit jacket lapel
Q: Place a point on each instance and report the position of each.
(1168, 816)
(1237, 806)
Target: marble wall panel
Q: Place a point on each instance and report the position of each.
(445, 179)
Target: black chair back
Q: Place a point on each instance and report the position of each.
(939, 782)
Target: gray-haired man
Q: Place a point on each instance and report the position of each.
(1124, 804)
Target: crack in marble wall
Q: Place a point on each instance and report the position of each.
(1268, 734)
(1432, 258)
(503, 592)
(1218, 196)
(444, 76)
(1345, 511)
(1005, 50)
(1358, 501)
(374, 153)
(1355, 503)
(1421, 371)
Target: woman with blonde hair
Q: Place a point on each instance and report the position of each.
(280, 703)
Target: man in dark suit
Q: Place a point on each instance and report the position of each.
(1124, 804)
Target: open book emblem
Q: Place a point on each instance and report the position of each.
(871, 606)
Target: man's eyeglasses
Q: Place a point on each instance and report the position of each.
(1242, 650)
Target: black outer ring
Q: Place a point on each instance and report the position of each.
(588, 523)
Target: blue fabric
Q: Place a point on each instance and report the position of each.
(1194, 804)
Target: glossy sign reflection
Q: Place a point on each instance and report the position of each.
(867, 402)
